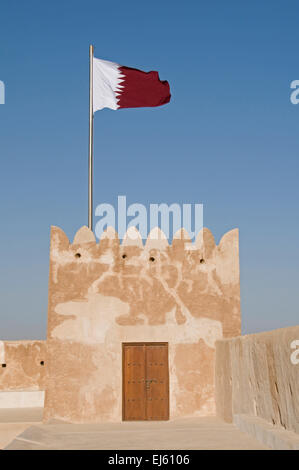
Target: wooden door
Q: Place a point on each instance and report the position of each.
(145, 381)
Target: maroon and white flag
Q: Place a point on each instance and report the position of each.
(116, 86)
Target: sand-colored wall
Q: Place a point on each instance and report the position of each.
(258, 375)
(104, 294)
(20, 365)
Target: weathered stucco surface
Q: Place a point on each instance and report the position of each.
(20, 365)
(258, 375)
(101, 295)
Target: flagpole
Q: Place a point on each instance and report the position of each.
(90, 152)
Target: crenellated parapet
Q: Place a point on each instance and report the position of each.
(224, 257)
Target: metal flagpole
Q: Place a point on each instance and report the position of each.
(90, 153)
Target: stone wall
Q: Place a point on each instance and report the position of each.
(22, 365)
(258, 375)
(104, 294)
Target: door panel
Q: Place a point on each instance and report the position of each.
(145, 381)
(156, 382)
(134, 390)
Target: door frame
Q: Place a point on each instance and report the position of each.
(143, 343)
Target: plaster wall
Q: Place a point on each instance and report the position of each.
(101, 295)
(22, 399)
(22, 365)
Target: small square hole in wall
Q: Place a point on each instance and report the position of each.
(42, 363)
(3, 365)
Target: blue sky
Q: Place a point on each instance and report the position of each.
(229, 138)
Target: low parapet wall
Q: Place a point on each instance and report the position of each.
(258, 375)
(22, 373)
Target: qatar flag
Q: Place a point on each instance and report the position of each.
(116, 86)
